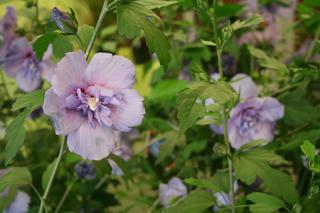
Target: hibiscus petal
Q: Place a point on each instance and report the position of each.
(92, 143)
(115, 72)
(16, 55)
(263, 131)
(19, 204)
(244, 84)
(69, 74)
(236, 139)
(271, 109)
(129, 112)
(28, 80)
(52, 102)
(66, 121)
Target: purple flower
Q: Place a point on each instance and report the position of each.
(241, 83)
(85, 170)
(253, 119)
(65, 22)
(20, 204)
(8, 25)
(223, 198)
(171, 191)
(21, 62)
(88, 102)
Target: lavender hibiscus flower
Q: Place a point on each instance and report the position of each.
(20, 204)
(174, 189)
(8, 26)
(253, 118)
(18, 58)
(88, 102)
(241, 83)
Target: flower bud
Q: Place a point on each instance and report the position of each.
(85, 170)
(66, 22)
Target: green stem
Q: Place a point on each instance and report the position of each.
(5, 85)
(224, 113)
(103, 13)
(156, 202)
(39, 196)
(53, 174)
(100, 183)
(313, 45)
(64, 197)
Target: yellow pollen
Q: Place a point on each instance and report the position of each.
(93, 103)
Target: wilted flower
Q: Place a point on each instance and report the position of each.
(85, 170)
(254, 119)
(88, 102)
(65, 22)
(171, 191)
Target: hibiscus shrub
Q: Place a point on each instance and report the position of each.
(188, 106)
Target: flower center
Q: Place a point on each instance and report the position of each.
(248, 120)
(93, 103)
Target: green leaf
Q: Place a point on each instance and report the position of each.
(264, 203)
(298, 110)
(46, 175)
(309, 150)
(198, 72)
(103, 166)
(31, 100)
(196, 202)
(5, 201)
(171, 139)
(249, 165)
(123, 165)
(191, 102)
(268, 62)
(15, 134)
(221, 180)
(85, 33)
(202, 184)
(40, 46)
(252, 144)
(299, 138)
(194, 147)
(166, 89)
(133, 16)
(14, 177)
(208, 43)
(60, 50)
(253, 20)
(151, 4)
